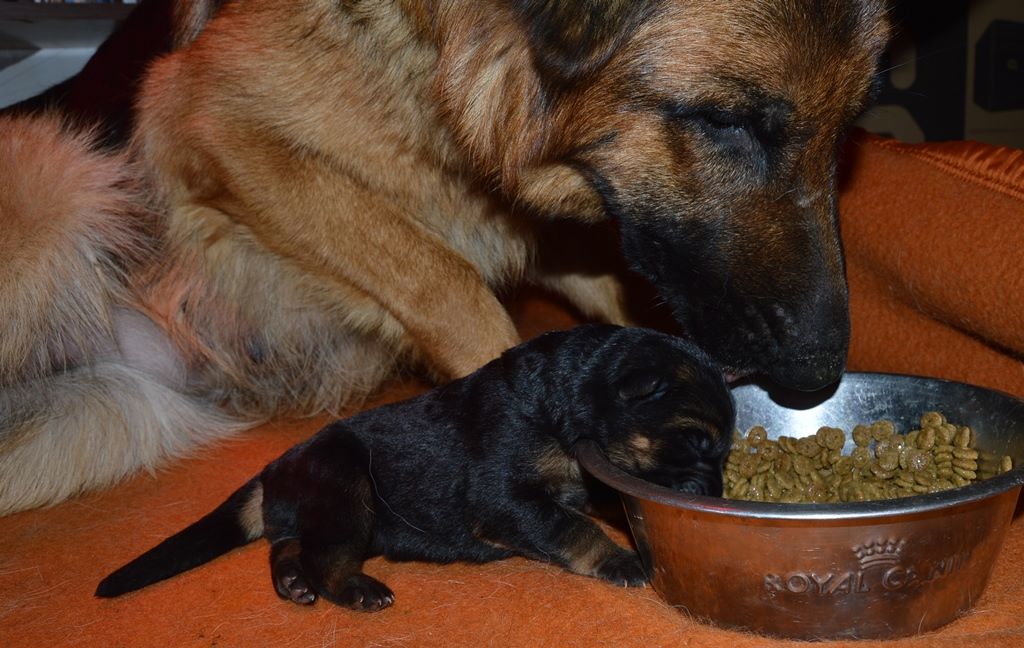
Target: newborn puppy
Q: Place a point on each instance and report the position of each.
(480, 469)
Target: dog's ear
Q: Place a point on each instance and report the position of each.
(189, 17)
(572, 39)
(641, 385)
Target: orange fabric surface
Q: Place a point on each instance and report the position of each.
(934, 237)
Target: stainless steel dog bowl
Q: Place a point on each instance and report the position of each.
(819, 571)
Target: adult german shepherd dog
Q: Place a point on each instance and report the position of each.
(319, 192)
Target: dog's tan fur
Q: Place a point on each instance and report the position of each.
(90, 207)
(345, 188)
(89, 392)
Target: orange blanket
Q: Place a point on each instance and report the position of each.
(934, 237)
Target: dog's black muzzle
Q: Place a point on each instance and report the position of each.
(750, 317)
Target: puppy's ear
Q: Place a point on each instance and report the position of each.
(572, 39)
(640, 386)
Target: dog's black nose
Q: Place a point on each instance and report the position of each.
(809, 373)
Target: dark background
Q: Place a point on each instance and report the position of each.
(955, 71)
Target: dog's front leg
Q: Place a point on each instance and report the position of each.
(583, 263)
(569, 538)
(599, 297)
(346, 236)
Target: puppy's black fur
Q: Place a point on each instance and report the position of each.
(477, 470)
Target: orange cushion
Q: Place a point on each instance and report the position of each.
(934, 238)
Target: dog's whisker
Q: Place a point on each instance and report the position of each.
(369, 472)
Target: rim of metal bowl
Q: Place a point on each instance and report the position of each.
(590, 455)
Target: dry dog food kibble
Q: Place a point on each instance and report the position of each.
(883, 464)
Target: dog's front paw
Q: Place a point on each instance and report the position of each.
(290, 585)
(623, 568)
(363, 593)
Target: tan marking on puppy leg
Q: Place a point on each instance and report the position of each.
(588, 550)
(555, 466)
(250, 516)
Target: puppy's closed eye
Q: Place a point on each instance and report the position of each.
(704, 439)
(704, 445)
(642, 386)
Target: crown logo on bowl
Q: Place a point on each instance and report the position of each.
(879, 552)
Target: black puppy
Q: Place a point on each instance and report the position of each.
(480, 469)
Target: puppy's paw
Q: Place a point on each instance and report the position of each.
(363, 593)
(290, 585)
(623, 568)
(286, 572)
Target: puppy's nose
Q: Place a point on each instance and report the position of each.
(703, 483)
(692, 487)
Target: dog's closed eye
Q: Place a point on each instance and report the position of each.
(749, 134)
(701, 442)
(641, 386)
(725, 128)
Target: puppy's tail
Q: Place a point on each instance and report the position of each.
(236, 522)
(90, 389)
